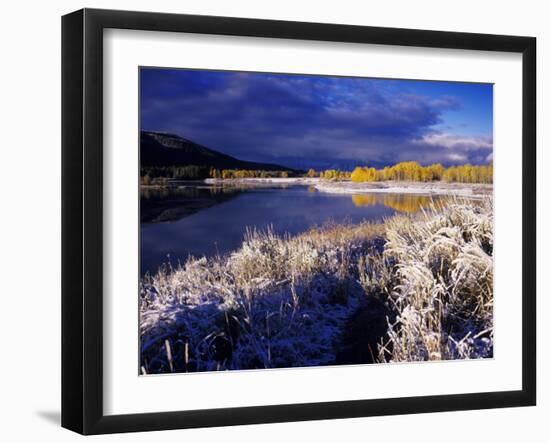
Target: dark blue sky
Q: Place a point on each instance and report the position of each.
(322, 122)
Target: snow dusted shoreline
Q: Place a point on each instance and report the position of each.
(430, 188)
(264, 181)
(471, 190)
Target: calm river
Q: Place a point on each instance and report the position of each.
(206, 220)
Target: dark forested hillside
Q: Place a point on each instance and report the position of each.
(161, 149)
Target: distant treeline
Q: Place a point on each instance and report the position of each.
(404, 171)
(190, 172)
(335, 174)
(153, 174)
(245, 173)
(412, 171)
(146, 180)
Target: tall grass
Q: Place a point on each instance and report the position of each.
(282, 301)
(442, 284)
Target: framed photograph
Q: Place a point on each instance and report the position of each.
(268, 221)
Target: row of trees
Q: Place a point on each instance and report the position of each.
(152, 175)
(404, 171)
(190, 172)
(412, 171)
(245, 173)
(469, 174)
(335, 174)
(147, 180)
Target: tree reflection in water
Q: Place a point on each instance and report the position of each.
(400, 202)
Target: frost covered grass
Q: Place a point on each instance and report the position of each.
(424, 280)
(441, 284)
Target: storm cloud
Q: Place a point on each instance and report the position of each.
(321, 122)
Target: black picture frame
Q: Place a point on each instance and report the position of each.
(82, 219)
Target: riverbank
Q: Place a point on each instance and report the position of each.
(470, 190)
(263, 181)
(423, 282)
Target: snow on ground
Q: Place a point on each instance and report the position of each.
(274, 180)
(431, 188)
(471, 190)
(282, 301)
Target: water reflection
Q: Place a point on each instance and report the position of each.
(172, 203)
(409, 203)
(206, 220)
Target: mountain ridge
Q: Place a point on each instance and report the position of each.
(162, 149)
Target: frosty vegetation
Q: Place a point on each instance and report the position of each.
(414, 288)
